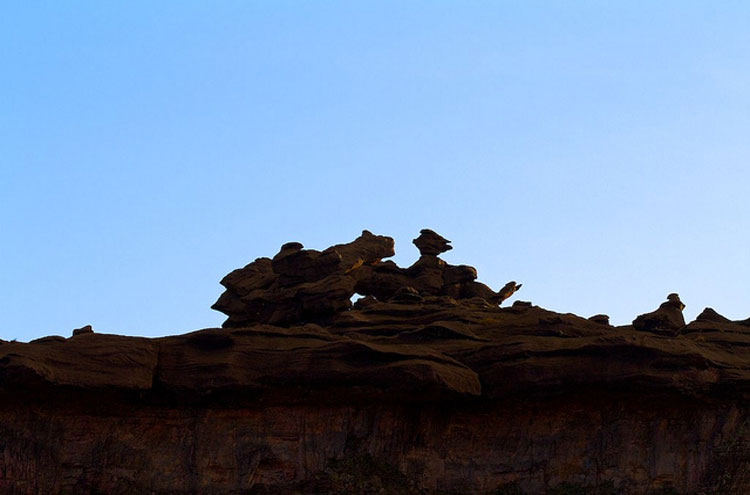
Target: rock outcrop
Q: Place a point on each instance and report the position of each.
(667, 319)
(302, 286)
(709, 314)
(83, 330)
(425, 385)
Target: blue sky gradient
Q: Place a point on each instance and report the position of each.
(597, 152)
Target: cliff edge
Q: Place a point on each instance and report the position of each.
(425, 384)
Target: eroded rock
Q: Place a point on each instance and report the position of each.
(508, 290)
(709, 314)
(302, 285)
(600, 319)
(83, 330)
(431, 243)
(426, 371)
(666, 319)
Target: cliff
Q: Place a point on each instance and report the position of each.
(424, 385)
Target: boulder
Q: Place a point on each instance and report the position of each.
(431, 243)
(709, 314)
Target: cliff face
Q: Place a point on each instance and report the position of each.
(424, 386)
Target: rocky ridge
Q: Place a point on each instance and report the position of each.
(425, 370)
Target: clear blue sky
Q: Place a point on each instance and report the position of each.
(598, 152)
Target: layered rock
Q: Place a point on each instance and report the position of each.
(420, 387)
(299, 284)
(304, 285)
(666, 319)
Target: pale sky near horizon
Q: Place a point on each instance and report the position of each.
(597, 152)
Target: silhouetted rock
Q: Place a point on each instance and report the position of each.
(666, 319)
(83, 330)
(425, 371)
(430, 243)
(456, 275)
(709, 314)
(298, 284)
(48, 339)
(673, 299)
(508, 290)
(471, 290)
(304, 285)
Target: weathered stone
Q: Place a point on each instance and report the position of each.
(708, 314)
(666, 319)
(521, 304)
(443, 393)
(367, 249)
(508, 290)
(381, 280)
(407, 294)
(83, 330)
(471, 290)
(431, 243)
(427, 274)
(458, 274)
(257, 275)
(307, 265)
(364, 302)
(499, 391)
(600, 319)
(303, 285)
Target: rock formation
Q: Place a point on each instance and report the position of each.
(431, 243)
(709, 314)
(601, 319)
(83, 330)
(304, 285)
(424, 386)
(667, 319)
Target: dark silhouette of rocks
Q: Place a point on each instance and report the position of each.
(48, 339)
(304, 285)
(709, 314)
(83, 330)
(508, 290)
(431, 243)
(666, 319)
(425, 371)
(299, 284)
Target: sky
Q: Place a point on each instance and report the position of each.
(597, 152)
